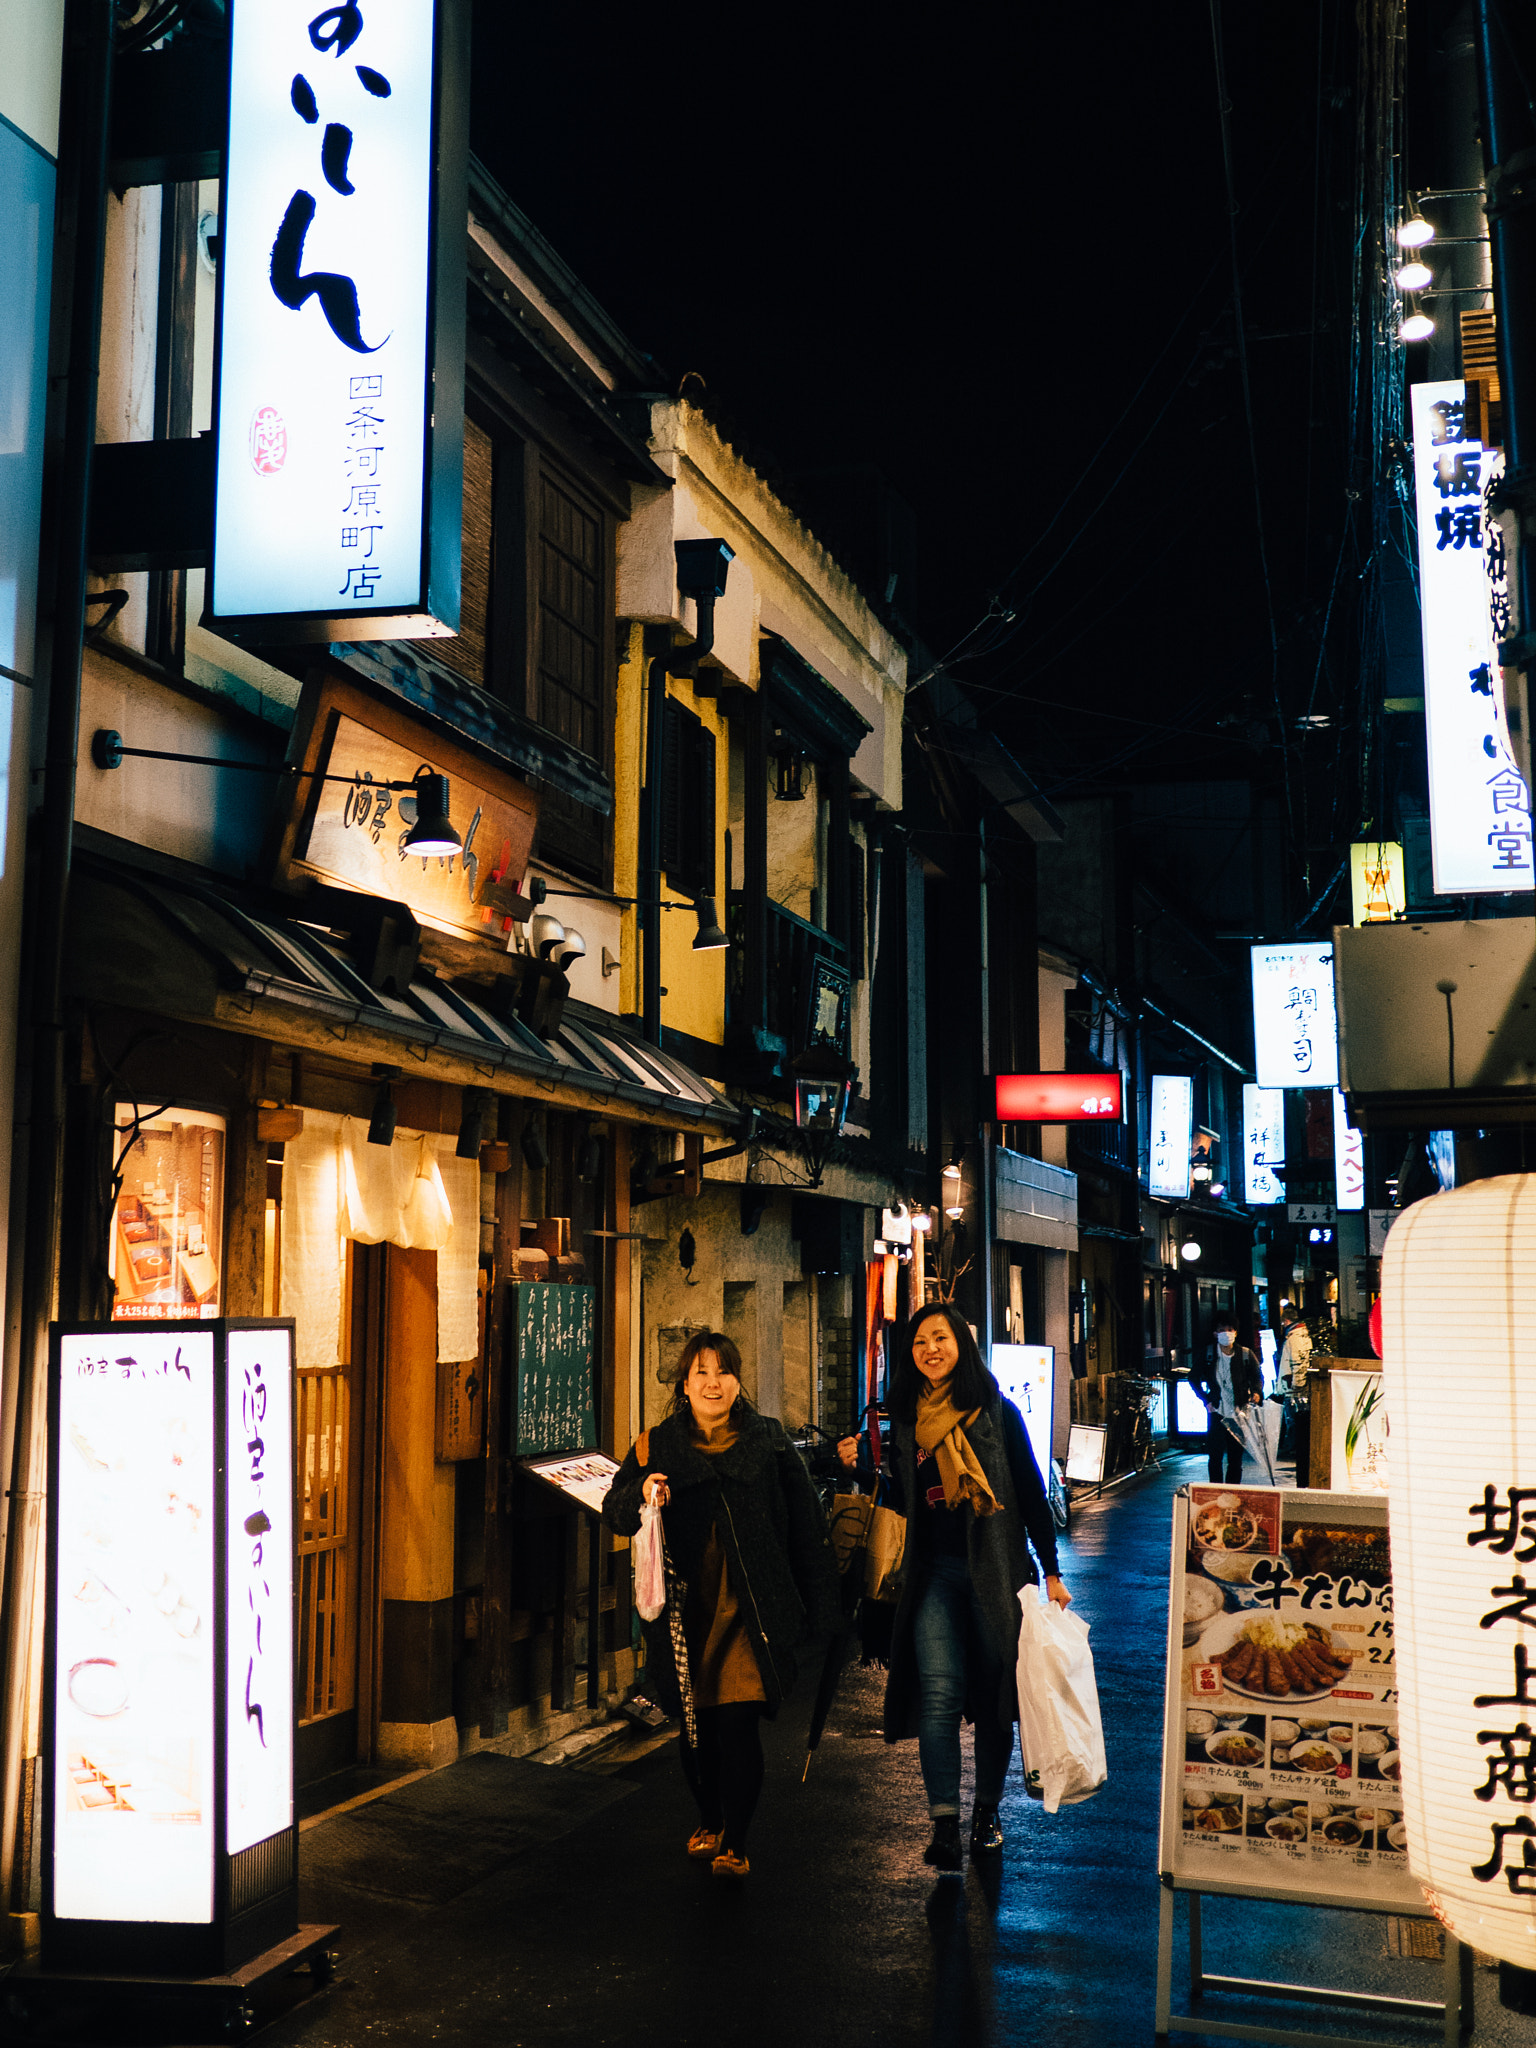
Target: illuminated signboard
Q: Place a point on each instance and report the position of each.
(132, 1668)
(340, 374)
(1172, 1127)
(1377, 886)
(1058, 1098)
(259, 1644)
(166, 1241)
(1295, 1024)
(1479, 808)
(1263, 1143)
(169, 1700)
(1348, 1158)
(1027, 1375)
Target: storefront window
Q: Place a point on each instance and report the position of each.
(166, 1253)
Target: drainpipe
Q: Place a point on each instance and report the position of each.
(87, 94)
(988, 1131)
(648, 887)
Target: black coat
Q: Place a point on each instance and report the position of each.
(778, 1555)
(999, 1558)
(1247, 1377)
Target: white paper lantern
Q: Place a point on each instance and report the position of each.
(1459, 1343)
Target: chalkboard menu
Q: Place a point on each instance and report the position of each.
(554, 1325)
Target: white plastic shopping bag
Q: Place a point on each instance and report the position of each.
(649, 1563)
(1060, 1732)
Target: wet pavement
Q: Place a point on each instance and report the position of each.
(518, 1903)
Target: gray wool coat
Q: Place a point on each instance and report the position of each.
(998, 1548)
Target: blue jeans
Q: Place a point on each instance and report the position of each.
(951, 1647)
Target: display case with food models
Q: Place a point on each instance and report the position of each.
(167, 1227)
(169, 1833)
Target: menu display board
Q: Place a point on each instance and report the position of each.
(586, 1479)
(134, 1629)
(167, 1233)
(1281, 1762)
(554, 1326)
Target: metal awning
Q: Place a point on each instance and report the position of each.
(192, 950)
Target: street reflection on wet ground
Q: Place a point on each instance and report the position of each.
(576, 1918)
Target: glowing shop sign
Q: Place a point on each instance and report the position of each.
(1173, 1110)
(1263, 1143)
(1377, 885)
(259, 1563)
(1027, 1375)
(133, 1661)
(1348, 1158)
(1479, 808)
(1058, 1098)
(1295, 1024)
(326, 370)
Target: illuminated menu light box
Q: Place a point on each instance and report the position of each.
(169, 1834)
(1295, 1018)
(1172, 1132)
(340, 373)
(1087, 1447)
(1027, 1375)
(1058, 1098)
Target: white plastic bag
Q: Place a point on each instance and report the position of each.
(649, 1564)
(1060, 1732)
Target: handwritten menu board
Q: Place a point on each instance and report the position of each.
(554, 1325)
(1280, 1762)
(132, 1670)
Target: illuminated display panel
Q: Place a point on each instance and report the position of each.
(1086, 1449)
(1027, 1375)
(1263, 1143)
(1058, 1098)
(325, 325)
(259, 1564)
(1190, 1415)
(1295, 1023)
(133, 1663)
(1172, 1128)
(165, 1252)
(1348, 1158)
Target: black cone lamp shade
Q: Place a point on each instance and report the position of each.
(710, 938)
(432, 832)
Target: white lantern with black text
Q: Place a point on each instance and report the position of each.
(1459, 1370)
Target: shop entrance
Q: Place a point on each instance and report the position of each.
(336, 1448)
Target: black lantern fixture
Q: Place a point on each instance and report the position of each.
(823, 1090)
(789, 775)
(431, 833)
(709, 938)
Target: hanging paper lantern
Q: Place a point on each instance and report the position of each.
(1459, 1368)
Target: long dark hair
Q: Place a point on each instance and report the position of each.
(971, 1385)
(730, 1361)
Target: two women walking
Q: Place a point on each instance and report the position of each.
(746, 1534)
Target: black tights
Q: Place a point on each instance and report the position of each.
(725, 1772)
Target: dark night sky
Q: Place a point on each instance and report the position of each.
(961, 247)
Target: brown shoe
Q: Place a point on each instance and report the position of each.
(704, 1844)
(729, 1865)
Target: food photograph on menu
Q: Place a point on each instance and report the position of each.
(1284, 1717)
(167, 1236)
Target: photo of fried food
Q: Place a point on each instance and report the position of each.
(1280, 1660)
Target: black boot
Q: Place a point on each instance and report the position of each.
(986, 1831)
(943, 1852)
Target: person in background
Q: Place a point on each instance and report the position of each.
(1295, 1362)
(746, 1533)
(1231, 1380)
(962, 1471)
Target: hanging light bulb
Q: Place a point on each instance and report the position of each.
(951, 1173)
(957, 1210)
(1414, 232)
(1417, 327)
(1414, 276)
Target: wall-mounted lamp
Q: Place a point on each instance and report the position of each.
(789, 777)
(709, 938)
(571, 949)
(1416, 327)
(431, 832)
(957, 1210)
(823, 1090)
(1190, 1250)
(476, 1108)
(922, 1222)
(381, 1125)
(951, 1172)
(545, 933)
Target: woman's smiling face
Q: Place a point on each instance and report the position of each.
(935, 1352)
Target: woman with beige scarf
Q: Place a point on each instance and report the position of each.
(962, 1465)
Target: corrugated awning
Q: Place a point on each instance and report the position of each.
(191, 950)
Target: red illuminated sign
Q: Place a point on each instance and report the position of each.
(1058, 1098)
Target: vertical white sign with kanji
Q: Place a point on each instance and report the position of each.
(259, 1561)
(1479, 808)
(325, 279)
(1348, 1158)
(1263, 1143)
(1295, 1019)
(1173, 1101)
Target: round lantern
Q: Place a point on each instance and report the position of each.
(1459, 1371)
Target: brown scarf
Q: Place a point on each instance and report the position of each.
(941, 1429)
